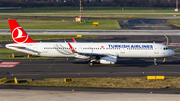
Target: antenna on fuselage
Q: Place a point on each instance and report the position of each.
(65, 40)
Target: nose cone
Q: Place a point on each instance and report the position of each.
(172, 53)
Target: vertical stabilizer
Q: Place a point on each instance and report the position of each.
(18, 34)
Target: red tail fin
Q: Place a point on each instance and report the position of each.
(18, 34)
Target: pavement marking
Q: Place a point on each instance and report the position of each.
(9, 64)
(167, 39)
(12, 63)
(164, 60)
(166, 44)
(98, 64)
(51, 64)
(176, 49)
(176, 53)
(146, 40)
(95, 73)
(176, 57)
(148, 25)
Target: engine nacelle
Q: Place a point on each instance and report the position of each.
(108, 60)
(81, 56)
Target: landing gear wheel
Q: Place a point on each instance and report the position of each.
(91, 64)
(155, 64)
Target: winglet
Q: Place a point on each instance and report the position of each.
(72, 49)
(73, 40)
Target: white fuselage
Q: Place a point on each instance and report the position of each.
(121, 50)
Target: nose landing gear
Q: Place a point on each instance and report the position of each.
(155, 63)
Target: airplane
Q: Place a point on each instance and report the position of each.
(103, 53)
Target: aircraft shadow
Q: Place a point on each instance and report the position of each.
(132, 63)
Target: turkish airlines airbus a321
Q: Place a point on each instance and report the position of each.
(104, 53)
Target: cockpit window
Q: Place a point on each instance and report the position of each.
(166, 48)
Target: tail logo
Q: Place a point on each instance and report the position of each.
(18, 35)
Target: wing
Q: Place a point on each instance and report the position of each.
(103, 58)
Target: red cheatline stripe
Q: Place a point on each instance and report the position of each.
(7, 63)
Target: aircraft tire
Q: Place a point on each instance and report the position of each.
(91, 64)
(155, 64)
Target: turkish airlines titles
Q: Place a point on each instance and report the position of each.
(130, 46)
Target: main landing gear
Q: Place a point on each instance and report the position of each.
(155, 63)
(91, 63)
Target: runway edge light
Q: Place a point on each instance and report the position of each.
(15, 80)
(160, 77)
(3, 80)
(79, 35)
(155, 77)
(67, 79)
(95, 23)
(12, 55)
(151, 77)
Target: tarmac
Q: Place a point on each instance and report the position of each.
(42, 95)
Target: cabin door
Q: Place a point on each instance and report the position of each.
(122, 50)
(156, 49)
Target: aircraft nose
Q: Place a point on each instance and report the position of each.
(170, 53)
(173, 53)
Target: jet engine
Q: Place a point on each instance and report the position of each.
(108, 60)
(81, 56)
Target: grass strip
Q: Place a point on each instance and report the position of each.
(66, 17)
(175, 22)
(87, 25)
(5, 38)
(111, 82)
(5, 50)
